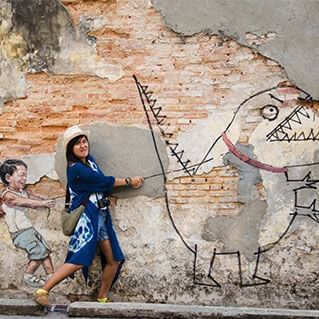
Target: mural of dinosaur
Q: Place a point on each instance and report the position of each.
(284, 115)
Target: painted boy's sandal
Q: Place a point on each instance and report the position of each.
(32, 281)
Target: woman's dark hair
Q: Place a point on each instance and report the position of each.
(9, 166)
(70, 157)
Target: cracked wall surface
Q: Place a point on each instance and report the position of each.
(234, 140)
(284, 31)
(40, 37)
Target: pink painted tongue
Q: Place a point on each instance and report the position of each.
(232, 148)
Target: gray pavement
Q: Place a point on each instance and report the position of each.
(27, 308)
(47, 316)
(50, 315)
(169, 311)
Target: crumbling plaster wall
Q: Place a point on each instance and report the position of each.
(284, 31)
(39, 37)
(197, 84)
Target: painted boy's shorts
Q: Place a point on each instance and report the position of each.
(32, 242)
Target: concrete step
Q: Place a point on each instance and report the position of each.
(169, 311)
(21, 307)
(27, 307)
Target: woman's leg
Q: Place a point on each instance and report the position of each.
(109, 270)
(41, 295)
(63, 272)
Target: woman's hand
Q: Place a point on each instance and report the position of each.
(137, 181)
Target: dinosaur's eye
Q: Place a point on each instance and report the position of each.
(269, 112)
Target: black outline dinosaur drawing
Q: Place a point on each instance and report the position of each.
(307, 181)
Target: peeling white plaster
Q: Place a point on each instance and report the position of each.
(12, 80)
(94, 23)
(197, 141)
(284, 153)
(290, 38)
(78, 58)
(39, 166)
(254, 39)
(274, 225)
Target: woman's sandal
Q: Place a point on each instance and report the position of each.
(41, 296)
(103, 300)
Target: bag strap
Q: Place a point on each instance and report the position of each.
(67, 203)
(85, 200)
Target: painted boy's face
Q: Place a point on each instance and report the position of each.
(81, 148)
(18, 179)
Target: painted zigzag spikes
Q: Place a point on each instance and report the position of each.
(160, 121)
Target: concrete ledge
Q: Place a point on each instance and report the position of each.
(165, 311)
(21, 307)
(27, 307)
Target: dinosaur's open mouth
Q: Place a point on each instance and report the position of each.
(232, 148)
(285, 131)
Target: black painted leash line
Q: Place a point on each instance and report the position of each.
(138, 85)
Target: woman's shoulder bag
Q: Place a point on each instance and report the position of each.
(69, 220)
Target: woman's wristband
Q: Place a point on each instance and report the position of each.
(128, 181)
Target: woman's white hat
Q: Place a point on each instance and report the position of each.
(72, 132)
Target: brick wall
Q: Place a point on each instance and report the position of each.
(191, 77)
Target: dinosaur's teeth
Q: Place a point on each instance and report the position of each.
(281, 136)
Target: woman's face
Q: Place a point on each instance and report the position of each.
(81, 148)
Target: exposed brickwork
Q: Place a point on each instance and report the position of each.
(190, 77)
(217, 191)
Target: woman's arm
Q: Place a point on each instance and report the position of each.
(135, 182)
(83, 178)
(12, 199)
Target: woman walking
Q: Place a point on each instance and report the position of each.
(88, 186)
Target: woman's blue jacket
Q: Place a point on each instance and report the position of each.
(83, 181)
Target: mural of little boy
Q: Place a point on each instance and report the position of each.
(15, 203)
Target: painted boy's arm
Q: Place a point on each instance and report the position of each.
(15, 200)
(31, 196)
